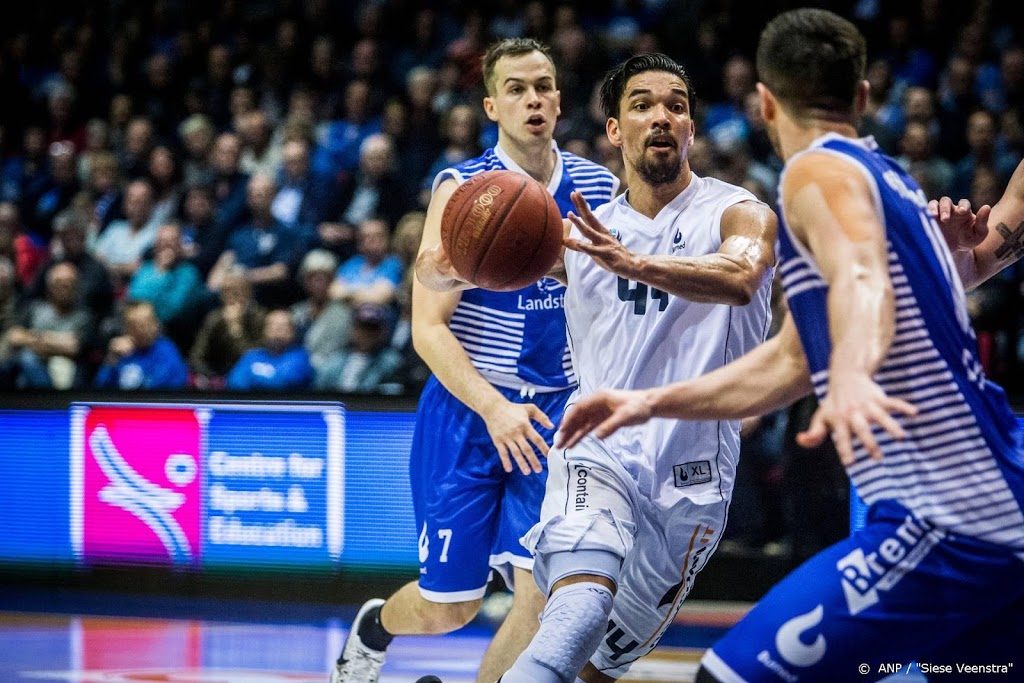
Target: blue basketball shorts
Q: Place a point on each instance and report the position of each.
(898, 595)
(470, 513)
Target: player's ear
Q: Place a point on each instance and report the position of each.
(558, 103)
(860, 103)
(490, 109)
(769, 106)
(611, 129)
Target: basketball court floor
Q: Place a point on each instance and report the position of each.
(116, 639)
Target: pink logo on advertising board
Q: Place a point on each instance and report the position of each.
(141, 485)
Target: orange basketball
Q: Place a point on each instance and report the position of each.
(502, 230)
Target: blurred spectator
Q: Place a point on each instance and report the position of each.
(141, 358)
(119, 116)
(227, 332)
(259, 155)
(203, 239)
(58, 193)
(369, 362)
(1011, 68)
(8, 296)
(121, 246)
(421, 143)
(229, 183)
(344, 137)
(139, 139)
(981, 140)
(322, 325)
(165, 176)
(266, 248)
(911, 65)
(920, 160)
(94, 289)
(881, 118)
(27, 252)
(159, 99)
(726, 122)
(43, 351)
(218, 85)
(957, 100)
(170, 283)
(97, 142)
(63, 123)
(104, 187)
(26, 175)
(461, 133)
(375, 190)
(374, 273)
(278, 364)
(305, 198)
(197, 134)
(406, 244)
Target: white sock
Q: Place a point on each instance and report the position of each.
(571, 628)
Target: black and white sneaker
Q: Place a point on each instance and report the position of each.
(359, 663)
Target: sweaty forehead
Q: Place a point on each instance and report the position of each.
(655, 81)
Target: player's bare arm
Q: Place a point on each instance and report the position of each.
(509, 424)
(433, 267)
(768, 378)
(830, 207)
(731, 275)
(983, 244)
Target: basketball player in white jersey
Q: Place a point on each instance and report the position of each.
(676, 285)
(878, 328)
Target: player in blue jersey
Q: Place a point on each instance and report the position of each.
(502, 375)
(878, 328)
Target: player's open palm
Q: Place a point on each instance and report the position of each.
(854, 404)
(602, 413)
(511, 428)
(601, 245)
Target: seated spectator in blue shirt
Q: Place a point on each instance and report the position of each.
(369, 363)
(170, 283)
(279, 364)
(266, 249)
(374, 273)
(142, 358)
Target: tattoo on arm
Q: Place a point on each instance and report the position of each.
(1013, 242)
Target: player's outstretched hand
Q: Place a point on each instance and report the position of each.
(962, 229)
(511, 428)
(435, 270)
(602, 246)
(853, 404)
(602, 413)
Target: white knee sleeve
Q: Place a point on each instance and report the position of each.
(571, 628)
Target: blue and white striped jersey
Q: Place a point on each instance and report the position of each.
(516, 338)
(962, 466)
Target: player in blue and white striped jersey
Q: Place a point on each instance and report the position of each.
(879, 330)
(502, 376)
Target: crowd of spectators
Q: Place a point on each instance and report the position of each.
(229, 195)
